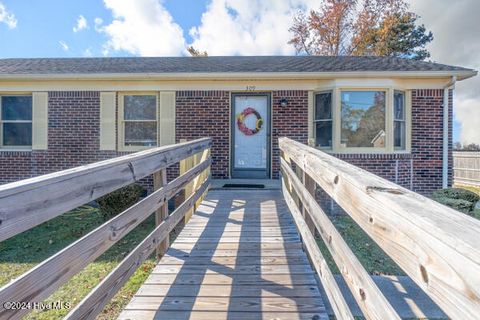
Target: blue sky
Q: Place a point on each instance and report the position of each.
(222, 27)
(41, 25)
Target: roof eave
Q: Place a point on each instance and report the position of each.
(460, 74)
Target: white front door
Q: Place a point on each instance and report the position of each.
(250, 128)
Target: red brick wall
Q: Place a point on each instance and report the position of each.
(74, 120)
(394, 167)
(427, 139)
(73, 138)
(206, 114)
(290, 121)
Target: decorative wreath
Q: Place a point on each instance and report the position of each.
(241, 121)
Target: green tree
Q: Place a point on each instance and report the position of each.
(375, 27)
(396, 36)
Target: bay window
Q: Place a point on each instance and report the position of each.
(363, 119)
(138, 121)
(354, 120)
(16, 121)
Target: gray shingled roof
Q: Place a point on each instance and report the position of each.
(237, 64)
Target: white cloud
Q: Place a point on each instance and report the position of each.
(467, 112)
(88, 52)
(142, 27)
(7, 17)
(81, 24)
(98, 24)
(64, 45)
(456, 30)
(248, 27)
(260, 27)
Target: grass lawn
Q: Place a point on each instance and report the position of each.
(24, 251)
(374, 260)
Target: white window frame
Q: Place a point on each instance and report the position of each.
(389, 120)
(20, 147)
(122, 121)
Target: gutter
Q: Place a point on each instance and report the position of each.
(446, 89)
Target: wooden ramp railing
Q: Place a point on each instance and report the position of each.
(27, 203)
(436, 246)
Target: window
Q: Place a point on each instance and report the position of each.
(399, 123)
(363, 119)
(323, 119)
(16, 121)
(140, 120)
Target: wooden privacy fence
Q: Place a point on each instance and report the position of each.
(27, 203)
(466, 168)
(435, 245)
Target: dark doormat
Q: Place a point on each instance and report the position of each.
(244, 186)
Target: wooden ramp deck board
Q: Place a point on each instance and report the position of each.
(239, 257)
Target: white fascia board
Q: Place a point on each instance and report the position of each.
(461, 75)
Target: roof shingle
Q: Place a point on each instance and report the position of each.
(234, 64)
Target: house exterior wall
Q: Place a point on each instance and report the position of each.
(74, 135)
(290, 121)
(73, 138)
(206, 114)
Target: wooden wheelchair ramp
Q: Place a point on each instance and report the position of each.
(239, 257)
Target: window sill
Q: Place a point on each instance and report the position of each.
(16, 150)
(134, 149)
(364, 152)
(380, 152)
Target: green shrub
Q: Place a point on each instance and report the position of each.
(476, 213)
(457, 193)
(119, 200)
(457, 204)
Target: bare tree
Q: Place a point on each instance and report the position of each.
(196, 53)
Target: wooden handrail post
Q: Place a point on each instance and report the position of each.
(318, 261)
(290, 187)
(159, 181)
(186, 165)
(369, 298)
(199, 158)
(309, 184)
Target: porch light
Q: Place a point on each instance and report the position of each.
(284, 102)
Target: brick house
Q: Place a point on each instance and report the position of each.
(385, 115)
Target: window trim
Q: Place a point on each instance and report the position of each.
(404, 120)
(121, 120)
(19, 147)
(315, 121)
(389, 120)
(339, 126)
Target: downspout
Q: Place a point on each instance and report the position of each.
(446, 141)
